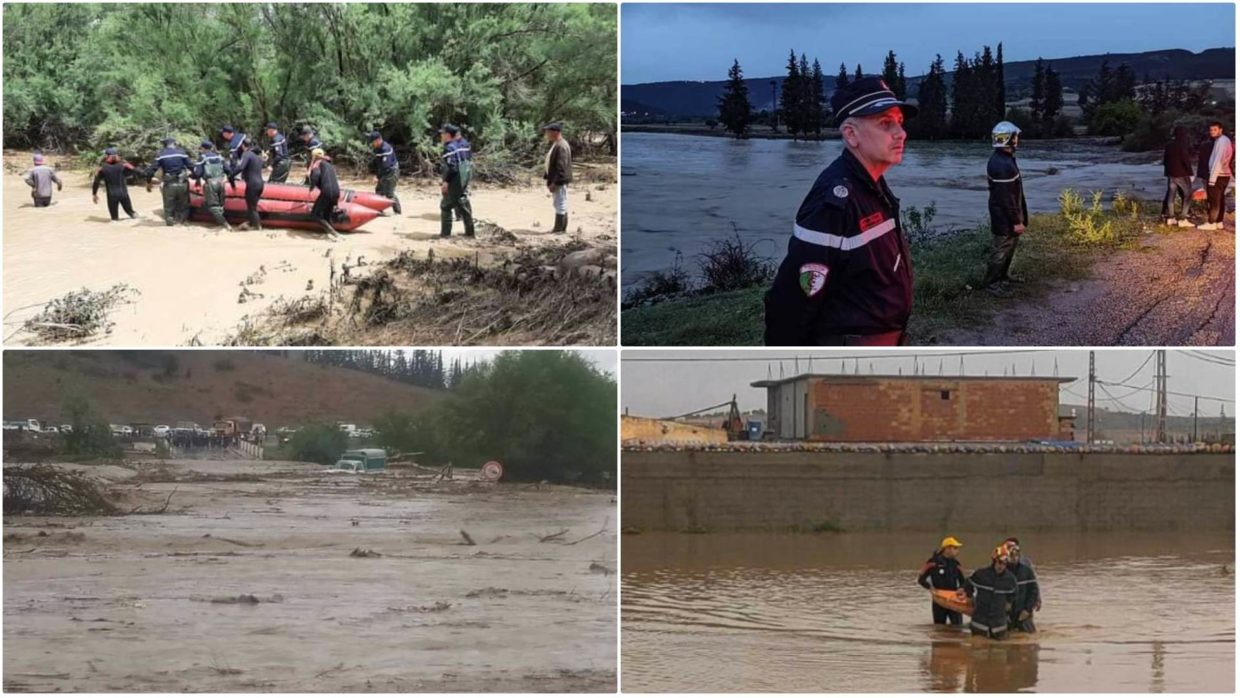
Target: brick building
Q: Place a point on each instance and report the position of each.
(821, 407)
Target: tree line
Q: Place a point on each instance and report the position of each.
(421, 367)
(80, 77)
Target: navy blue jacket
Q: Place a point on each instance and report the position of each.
(172, 160)
(278, 148)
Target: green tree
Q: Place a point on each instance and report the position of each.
(841, 80)
(791, 93)
(735, 112)
(1038, 85)
(931, 122)
(90, 435)
(858, 75)
(818, 99)
(319, 443)
(1052, 103)
(891, 71)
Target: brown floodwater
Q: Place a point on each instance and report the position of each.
(843, 613)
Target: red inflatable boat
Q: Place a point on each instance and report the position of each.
(296, 192)
(282, 214)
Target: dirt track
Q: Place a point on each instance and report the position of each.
(1178, 289)
(248, 584)
(197, 283)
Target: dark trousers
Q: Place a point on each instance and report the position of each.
(252, 195)
(1183, 185)
(279, 171)
(457, 199)
(119, 201)
(42, 201)
(946, 616)
(1217, 199)
(387, 187)
(1002, 249)
(1025, 626)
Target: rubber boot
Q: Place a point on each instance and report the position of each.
(564, 224)
(559, 223)
(445, 222)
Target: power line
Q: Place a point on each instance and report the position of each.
(1172, 392)
(1209, 359)
(1143, 364)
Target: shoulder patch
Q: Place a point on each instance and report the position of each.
(840, 191)
(813, 278)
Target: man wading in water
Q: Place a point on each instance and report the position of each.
(994, 588)
(847, 278)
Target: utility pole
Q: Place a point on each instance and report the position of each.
(1161, 387)
(1195, 399)
(1089, 409)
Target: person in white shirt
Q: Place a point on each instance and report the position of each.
(1218, 177)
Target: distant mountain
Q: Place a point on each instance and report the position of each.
(683, 98)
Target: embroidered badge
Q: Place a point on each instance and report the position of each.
(813, 278)
(871, 220)
(840, 191)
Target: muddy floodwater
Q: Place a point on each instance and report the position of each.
(683, 192)
(843, 613)
(278, 577)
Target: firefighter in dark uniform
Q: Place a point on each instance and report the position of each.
(232, 142)
(386, 169)
(174, 187)
(942, 571)
(847, 278)
(457, 172)
(278, 150)
(994, 587)
(1009, 214)
(212, 171)
(1028, 598)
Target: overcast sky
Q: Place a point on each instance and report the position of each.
(664, 389)
(698, 41)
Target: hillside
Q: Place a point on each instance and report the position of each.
(695, 98)
(163, 387)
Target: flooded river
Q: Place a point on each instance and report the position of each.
(682, 192)
(843, 613)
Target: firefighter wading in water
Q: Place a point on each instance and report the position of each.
(847, 277)
(1009, 214)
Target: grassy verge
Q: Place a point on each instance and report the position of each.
(948, 270)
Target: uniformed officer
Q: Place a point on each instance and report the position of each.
(457, 172)
(211, 170)
(174, 188)
(232, 141)
(386, 169)
(847, 278)
(1009, 214)
(279, 160)
(309, 142)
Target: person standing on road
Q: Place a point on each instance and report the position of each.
(1178, 169)
(174, 187)
(559, 173)
(40, 179)
(278, 155)
(250, 167)
(457, 172)
(385, 168)
(212, 171)
(1009, 214)
(942, 571)
(1217, 177)
(113, 174)
(847, 278)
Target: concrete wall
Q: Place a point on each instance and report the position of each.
(940, 493)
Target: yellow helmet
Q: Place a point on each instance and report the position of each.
(950, 542)
(1002, 552)
(317, 153)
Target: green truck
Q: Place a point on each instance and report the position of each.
(363, 460)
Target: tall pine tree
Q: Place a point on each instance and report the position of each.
(931, 122)
(735, 112)
(841, 80)
(818, 95)
(790, 96)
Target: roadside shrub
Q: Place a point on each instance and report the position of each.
(319, 443)
(90, 436)
(730, 264)
(918, 223)
(1086, 225)
(47, 490)
(1115, 118)
(673, 281)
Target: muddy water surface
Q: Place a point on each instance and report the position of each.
(682, 192)
(842, 613)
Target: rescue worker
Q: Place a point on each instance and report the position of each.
(211, 170)
(559, 173)
(174, 187)
(323, 178)
(994, 587)
(457, 172)
(250, 167)
(40, 178)
(278, 159)
(386, 169)
(847, 278)
(1178, 169)
(1009, 214)
(1217, 177)
(1028, 598)
(309, 142)
(942, 571)
(112, 174)
(232, 141)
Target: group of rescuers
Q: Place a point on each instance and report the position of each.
(238, 158)
(847, 278)
(1005, 592)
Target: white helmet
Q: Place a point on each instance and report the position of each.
(1005, 134)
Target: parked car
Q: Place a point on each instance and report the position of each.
(162, 431)
(14, 426)
(66, 428)
(51, 429)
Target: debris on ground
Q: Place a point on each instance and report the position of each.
(364, 552)
(43, 489)
(601, 569)
(244, 599)
(78, 314)
(488, 592)
(468, 540)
